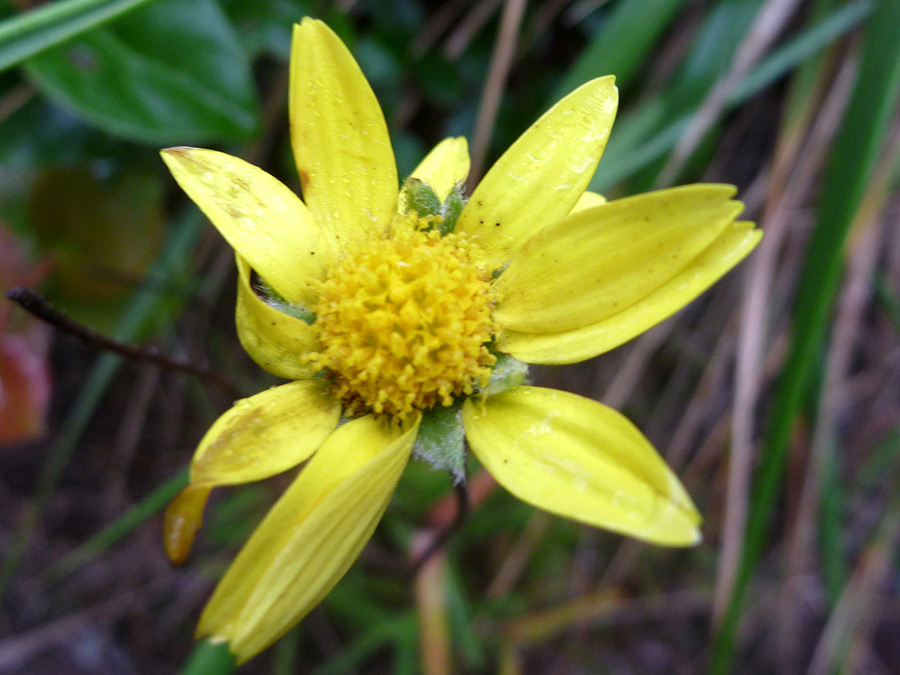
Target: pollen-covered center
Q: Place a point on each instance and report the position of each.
(404, 321)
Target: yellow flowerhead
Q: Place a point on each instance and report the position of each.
(394, 307)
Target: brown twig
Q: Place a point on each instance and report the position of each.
(40, 307)
(441, 538)
(501, 62)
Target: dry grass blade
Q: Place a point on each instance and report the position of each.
(501, 62)
(798, 159)
(770, 21)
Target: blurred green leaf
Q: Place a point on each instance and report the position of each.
(461, 617)
(25, 35)
(265, 26)
(438, 78)
(394, 631)
(40, 134)
(712, 51)
(621, 45)
(102, 235)
(174, 72)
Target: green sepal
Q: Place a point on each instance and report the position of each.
(421, 198)
(274, 299)
(441, 440)
(451, 208)
(508, 373)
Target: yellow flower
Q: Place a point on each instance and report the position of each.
(386, 308)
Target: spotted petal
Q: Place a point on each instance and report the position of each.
(588, 341)
(577, 458)
(266, 434)
(260, 436)
(347, 170)
(275, 340)
(310, 537)
(593, 264)
(259, 217)
(541, 176)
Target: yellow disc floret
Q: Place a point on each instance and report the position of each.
(404, 320)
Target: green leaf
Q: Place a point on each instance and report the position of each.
(40, 134)
(451, 209)
(25, 35)
(421, 198)
(508, 373)
(101, 234)
(264, 26)
(441, 440)
(174, 72)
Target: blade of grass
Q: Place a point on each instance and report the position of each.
(765, 28)
(863, 250)
(820, 507)
(851, 162)
(814, 103)
(801, 47)
(395, 631)
(712, 51)
(832, 509)
(120, 528)
(643, 21)
(462, 625)
(28, 34)
(142, 314)
(638, 141)
(879, 463)
(858, 600)
(888, 300)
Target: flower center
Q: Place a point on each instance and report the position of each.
(404, 320)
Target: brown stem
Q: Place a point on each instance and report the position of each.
(441, 537)
(39, 306)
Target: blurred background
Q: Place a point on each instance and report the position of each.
(775, 396)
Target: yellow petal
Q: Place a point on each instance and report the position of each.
(340, 139)
(442, 169)
(275, 340)
(588, 200)
(595, 263)
(262, 219)
(583, 343)
(182, 518)
(542, 175)
(310, 537)
(266, 434)
(577, 458)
